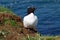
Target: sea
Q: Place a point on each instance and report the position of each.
(47, 11)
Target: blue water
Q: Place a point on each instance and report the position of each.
(48, 12)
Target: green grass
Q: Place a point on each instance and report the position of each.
(11, 22)
(5, 10)
(32, 38)
(38, 37)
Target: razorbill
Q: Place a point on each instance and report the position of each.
(30, 20)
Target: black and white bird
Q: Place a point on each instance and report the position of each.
(30, 20)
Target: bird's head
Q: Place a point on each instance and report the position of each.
(30, 10)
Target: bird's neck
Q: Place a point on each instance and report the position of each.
(29, 13)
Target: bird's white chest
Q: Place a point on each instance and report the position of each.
(30, 20)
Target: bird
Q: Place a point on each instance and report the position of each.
(30, 20)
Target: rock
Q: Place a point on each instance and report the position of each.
(17, 31)
(16, 18)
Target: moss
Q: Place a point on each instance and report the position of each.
(10, 22)
(37, 37)
(30, 38)
(50, 39)
(3, 9)
(13, 23)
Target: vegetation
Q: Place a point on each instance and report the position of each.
(3, 34)
(34, 38)
(3, 9)
(38, 37)
(6, 10)
(10, 22)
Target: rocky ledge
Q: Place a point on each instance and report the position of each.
(11, 27)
